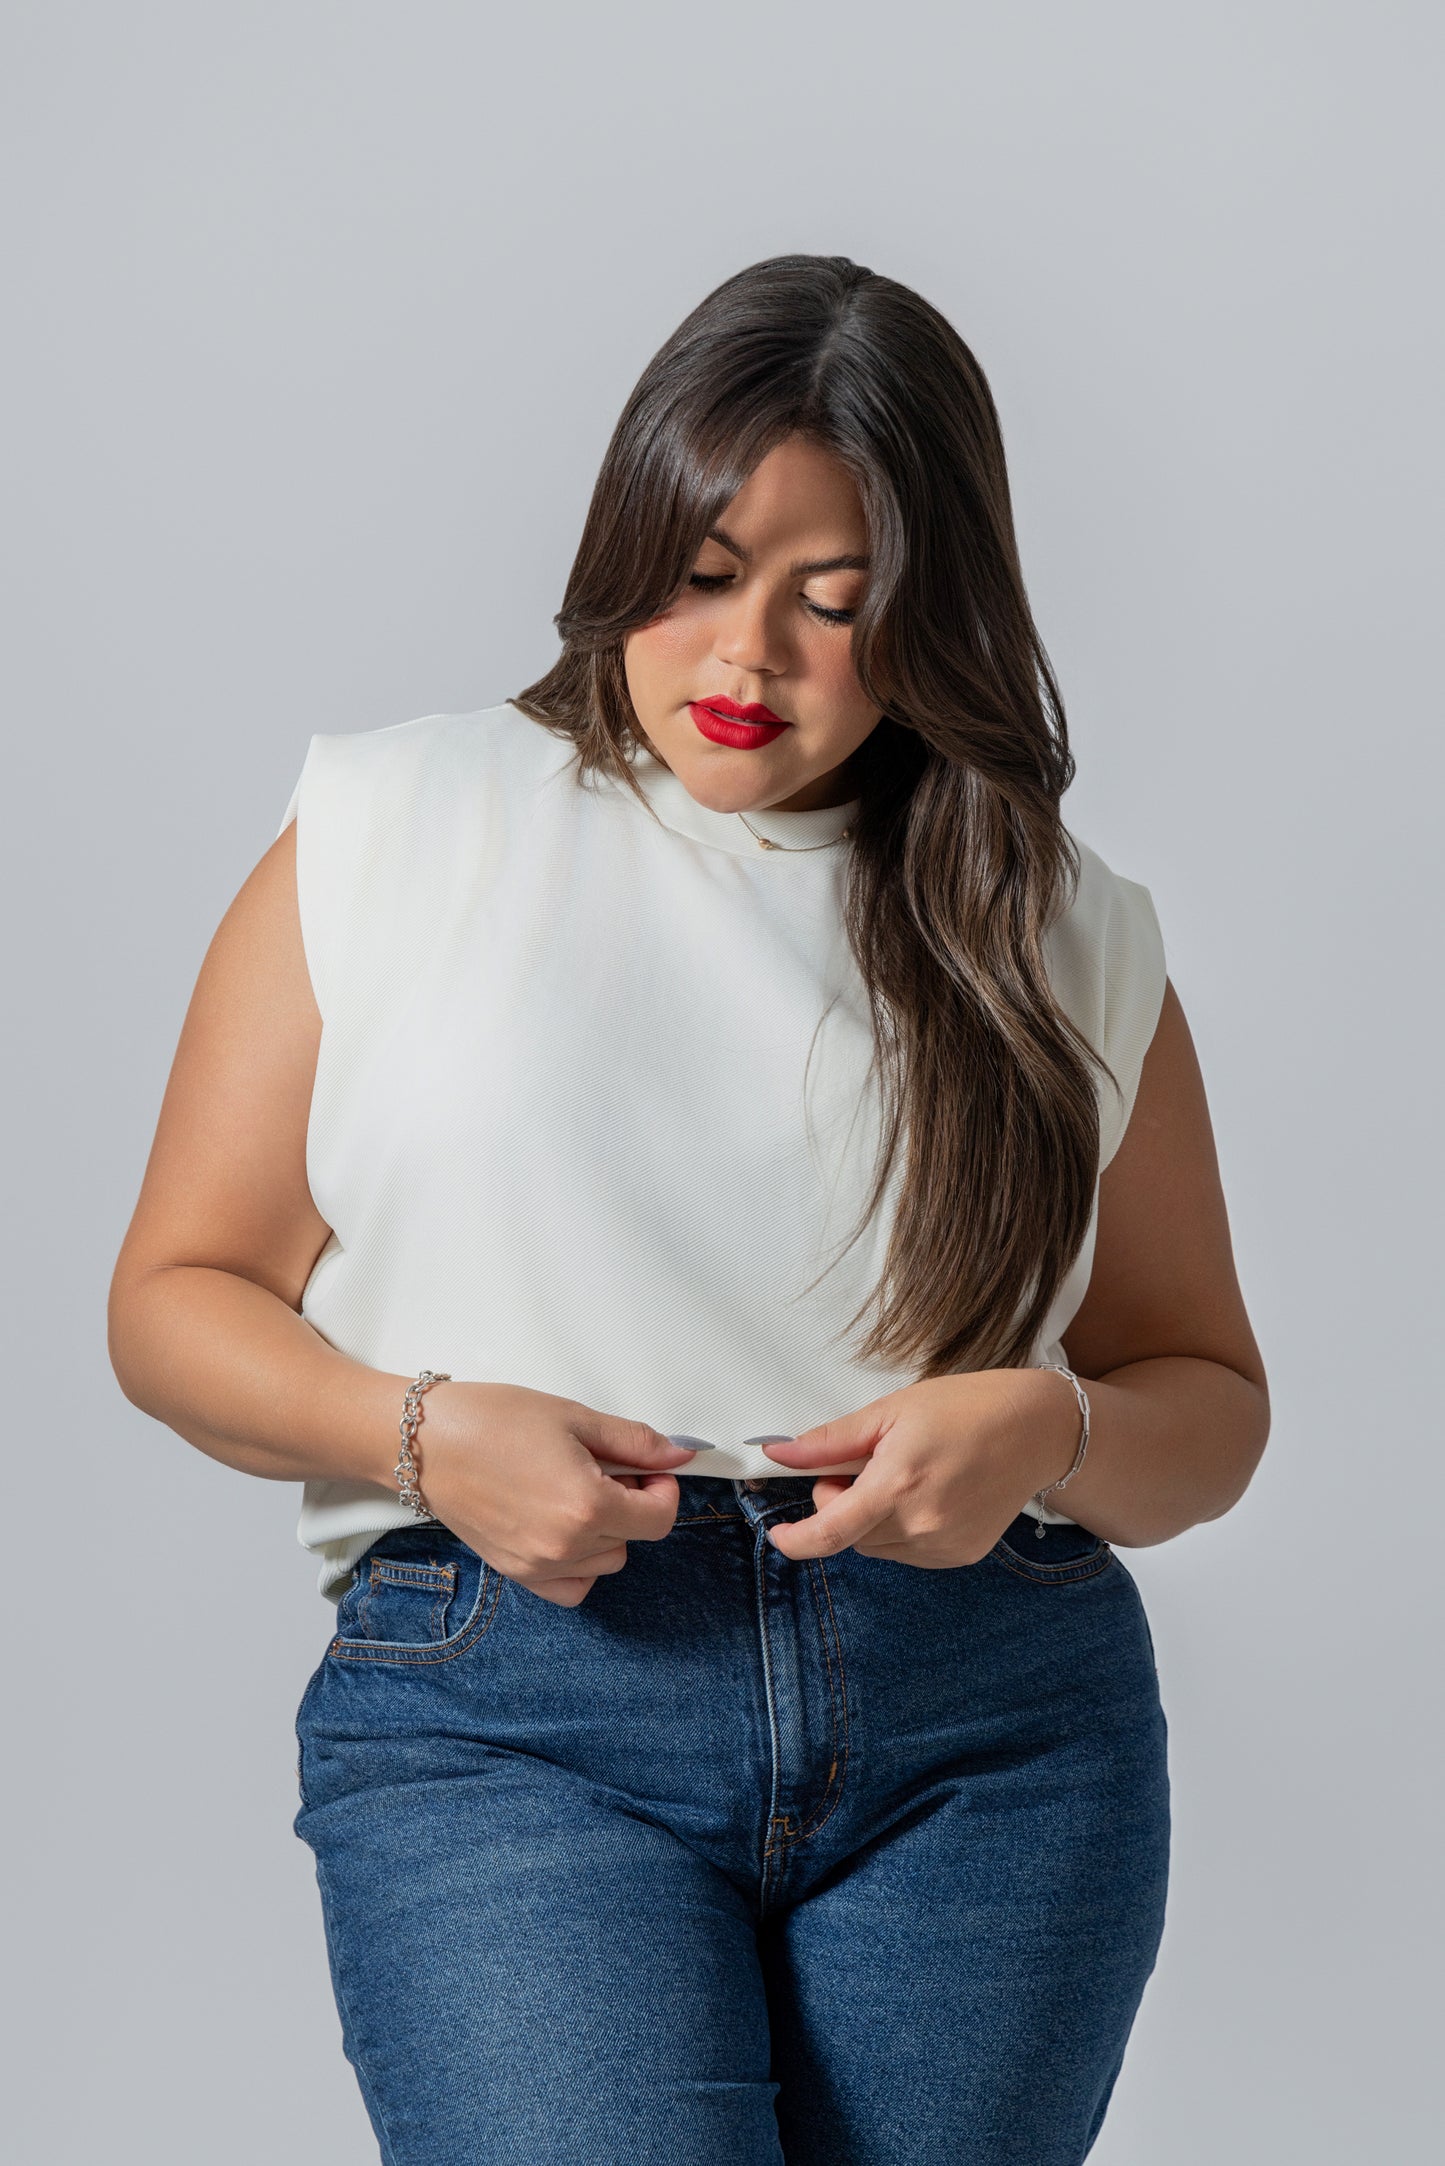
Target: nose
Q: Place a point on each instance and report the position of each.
(750, 635)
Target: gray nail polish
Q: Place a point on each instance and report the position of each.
(693, 1443)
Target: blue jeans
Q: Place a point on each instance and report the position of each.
(740, 1861)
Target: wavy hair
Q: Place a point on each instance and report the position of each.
(959, 860)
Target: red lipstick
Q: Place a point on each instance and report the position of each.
(741, 728)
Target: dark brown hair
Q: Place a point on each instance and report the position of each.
(959, 859)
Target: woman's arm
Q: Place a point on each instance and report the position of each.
(1162, 1343)
(1179, 1407)
(205, 1332)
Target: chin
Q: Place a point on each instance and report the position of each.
(714, 799)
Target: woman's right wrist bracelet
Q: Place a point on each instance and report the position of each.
(406, 1470)
(1083, 1398)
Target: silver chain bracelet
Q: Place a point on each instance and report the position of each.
(1083, 1398)
(406, 1469)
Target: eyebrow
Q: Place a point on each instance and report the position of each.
(795, 571)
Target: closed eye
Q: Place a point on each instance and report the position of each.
(710, 581)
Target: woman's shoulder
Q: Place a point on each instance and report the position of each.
(388, 823)
(440, 757)
(1107, 966)
(1106, 911)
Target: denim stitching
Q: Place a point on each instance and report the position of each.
(397, 1572)
(838, 1695)
(770, 1702)
(815, 1568)
(403, 1652)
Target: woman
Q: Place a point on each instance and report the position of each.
(740, 1739)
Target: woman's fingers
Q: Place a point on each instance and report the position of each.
(841, 1520)
(614, 1439)
(847, 1441)
(828, 1486)
(640, 1511)
(567, 1588)
(567, 1593)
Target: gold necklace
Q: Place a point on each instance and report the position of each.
(764, 843)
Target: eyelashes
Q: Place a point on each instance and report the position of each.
(711, 581)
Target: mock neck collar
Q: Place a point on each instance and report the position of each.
(792, 832)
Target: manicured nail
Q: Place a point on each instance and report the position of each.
(693, 1443)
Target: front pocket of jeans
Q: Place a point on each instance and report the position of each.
(1085, 1557)
(401, 1600)
(409, 1604)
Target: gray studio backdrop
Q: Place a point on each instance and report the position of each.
(320, 317)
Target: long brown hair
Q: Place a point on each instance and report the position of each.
(959, 860)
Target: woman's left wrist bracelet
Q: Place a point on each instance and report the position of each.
(406, 1470)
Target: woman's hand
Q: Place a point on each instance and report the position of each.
(548, 1491)
(944, 1466)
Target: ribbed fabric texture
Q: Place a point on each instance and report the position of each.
(561, 1126)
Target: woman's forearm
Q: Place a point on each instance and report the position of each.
(239, 1374)
(1172, 1441)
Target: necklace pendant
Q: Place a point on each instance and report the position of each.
(765, 842)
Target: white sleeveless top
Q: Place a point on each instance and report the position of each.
(559, 1126)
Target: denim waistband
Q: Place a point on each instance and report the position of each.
(754, 1499)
